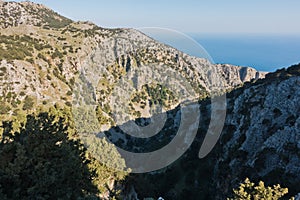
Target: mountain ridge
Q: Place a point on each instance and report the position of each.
(53, 51)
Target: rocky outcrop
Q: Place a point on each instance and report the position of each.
(238, 75)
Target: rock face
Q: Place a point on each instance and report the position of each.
(239, 74)
(262, 133)
(260, 141)
(50, 59)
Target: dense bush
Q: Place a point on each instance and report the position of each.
(41, 162)
(249, 191)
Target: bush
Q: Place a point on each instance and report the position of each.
(248, 191)
(28, 103)
(4, 109)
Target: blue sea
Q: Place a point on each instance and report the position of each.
(263, 52)
(260, 51)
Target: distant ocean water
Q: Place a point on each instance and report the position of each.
(263, 52)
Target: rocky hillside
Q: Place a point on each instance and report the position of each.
(262, 133)
(260, 140)
(14, 14)
(47, 59)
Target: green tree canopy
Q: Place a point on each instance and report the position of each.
(42, 162)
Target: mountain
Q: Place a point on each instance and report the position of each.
(44, 57)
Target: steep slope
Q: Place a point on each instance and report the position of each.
(260, 140)
(262, 133)
(47, 59)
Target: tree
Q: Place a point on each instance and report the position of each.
(106, 163)
(42, 162)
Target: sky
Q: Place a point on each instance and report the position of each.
(189, 16)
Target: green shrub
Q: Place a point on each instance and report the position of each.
(249, 191)
(4, 109)
(28, 103)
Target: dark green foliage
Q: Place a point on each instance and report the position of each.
(3, 69)
(159, 94)
(282, 74)
(106, 164)
(49, 18)
(4, 109)
(14, 49)
(294, 70)
(41, 162)
(277, 112)
(20, 47)
(57, 54)
(22, 93)
(69, 93)
(28, 103)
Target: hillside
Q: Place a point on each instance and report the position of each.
(260, 140)
(44, 56)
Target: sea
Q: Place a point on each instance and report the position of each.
(264, 52)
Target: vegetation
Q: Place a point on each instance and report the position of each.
(50, 18)
(152, 95)
(28, 103)
(249, 191)
(4, 108)
(46, 160)
(39, 161)
(15, 47)
(106, 163)
(43, 157)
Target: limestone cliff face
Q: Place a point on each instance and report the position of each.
(238, 75)
(262, 133)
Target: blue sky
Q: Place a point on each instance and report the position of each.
(213, 16)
